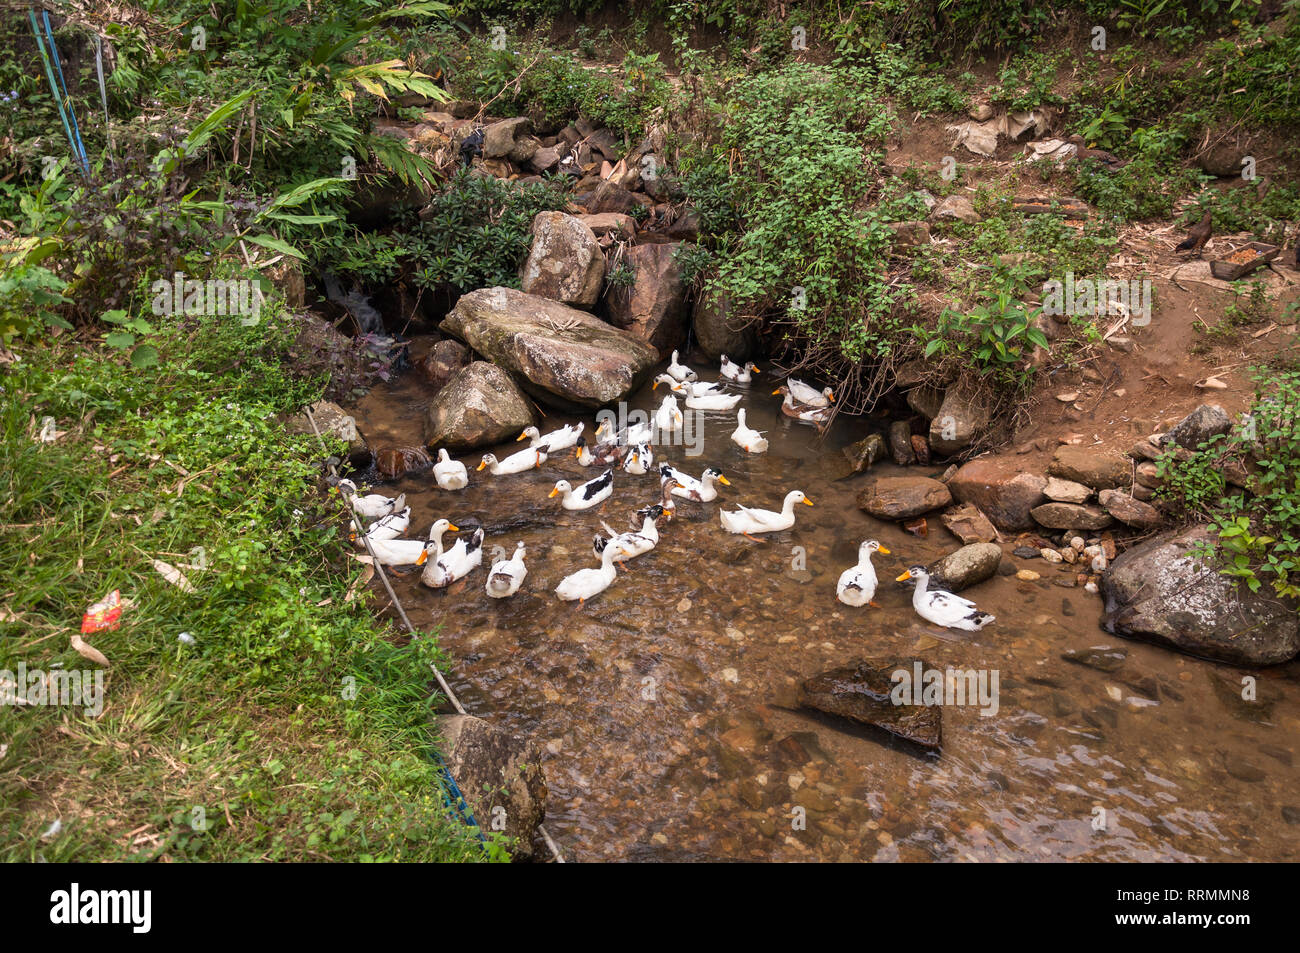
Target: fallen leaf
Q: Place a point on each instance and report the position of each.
(1068, 397)
(173, 575)
(88, 651)
(360, 582)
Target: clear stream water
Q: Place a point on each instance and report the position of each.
(665, 706)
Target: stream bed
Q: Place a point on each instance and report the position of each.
(665, 706)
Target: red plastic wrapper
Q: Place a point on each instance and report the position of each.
(105, 614)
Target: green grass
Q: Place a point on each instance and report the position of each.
(256, 724)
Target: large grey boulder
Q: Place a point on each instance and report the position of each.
(500, 777)
(565, 261)
(1200, 425)
(959, 420)
(561, 355)
(965, 567)
(1158, 592)
(480, 406)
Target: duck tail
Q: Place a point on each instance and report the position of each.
(980, 619)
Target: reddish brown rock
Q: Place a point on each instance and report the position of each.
(653, 307)
(442, 362)
(968, 524)
(899, 498)
(1070, 516)
(1099, 469)
(393, 462)
(1001, 489)
(1128, 510)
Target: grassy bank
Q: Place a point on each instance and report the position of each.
(293, 726)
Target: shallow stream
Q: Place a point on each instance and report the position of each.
(665, 705)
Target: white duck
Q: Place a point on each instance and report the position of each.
(680, 372)
(716, 401)
(741, 374)
(746, 438)
(373, 505)
(746, 521)
(800, 411)
(688, 388)
(639, 432)
(602, 456)
(943, 608)
(585, 583)
(585, 496)
(455, 563)
(411, 552)
(639, 460)
(448, 473)
(808, 395)
(390, 527)
(634, 542)
(703, 490)
(857, 585)
(668, 417)
(515, 463)
(507, 575)
(561, 439)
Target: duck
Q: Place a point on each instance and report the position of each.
(455, 563)
(708, 401)
(603, 455)
(745, 521)
(411, 552)
(666, 502)
(668, 417)
(519, 462)
(585, 496)
(390, 527)
(792, 408)
(634, 542)
(373, 505)
(688, 388)
(507, 575)
(639, 432)
(561, 439)
(741, 374)
(943, 608)
(639, 460)
(680, 372)
(808, 395)
(746, 438)
(585, 583)
(857, 585)
(448, 473)
(703, 490)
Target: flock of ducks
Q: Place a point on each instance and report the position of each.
(631, 451)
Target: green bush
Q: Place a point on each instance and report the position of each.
(1258, 529)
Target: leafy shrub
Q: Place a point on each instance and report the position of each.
(1259, 528)
(477, 232)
